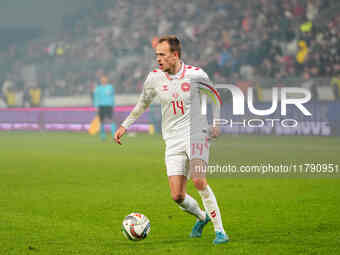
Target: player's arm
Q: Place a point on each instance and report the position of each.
(143, 103)
(216, 102)
(216, 111)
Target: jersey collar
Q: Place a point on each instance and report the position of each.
(180, 74)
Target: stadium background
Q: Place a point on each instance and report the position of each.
(259, 44)
(65, 192)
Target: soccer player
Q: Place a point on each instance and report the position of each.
(104, 102)
(184, 131)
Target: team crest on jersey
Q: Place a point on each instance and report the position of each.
(185, 86)
(165, 88)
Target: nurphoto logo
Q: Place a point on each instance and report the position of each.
(288, 96)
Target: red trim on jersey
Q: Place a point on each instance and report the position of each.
(184, 69)
(195, 68)
(167, 76)
(155, 71)
(182, 75)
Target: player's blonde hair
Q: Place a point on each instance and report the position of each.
(174, 43)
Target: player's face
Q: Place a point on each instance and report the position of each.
(165, 58)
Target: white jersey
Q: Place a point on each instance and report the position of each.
(180, 101)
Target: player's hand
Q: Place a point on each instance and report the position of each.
(119, 133)
(215, 132)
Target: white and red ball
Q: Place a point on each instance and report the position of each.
(135, 226)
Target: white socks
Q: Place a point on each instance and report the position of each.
(191, 206)
(210, 205)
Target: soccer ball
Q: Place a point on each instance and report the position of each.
(135, 226)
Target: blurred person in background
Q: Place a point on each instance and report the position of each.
(11, 97)
(35, 96)
(335, 84)
(6, 86)
(104, 102)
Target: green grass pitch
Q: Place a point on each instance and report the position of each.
(63, 193)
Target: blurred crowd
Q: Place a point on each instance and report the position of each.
(231, 40)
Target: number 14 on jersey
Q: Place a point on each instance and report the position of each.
(177, 106)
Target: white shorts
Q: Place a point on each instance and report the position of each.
(179, 151)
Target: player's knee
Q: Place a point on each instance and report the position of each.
(199, 183)
(178, 197)
(198, 168)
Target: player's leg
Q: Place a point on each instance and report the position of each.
(176, 166)
(208, 198)
(102, 122)
(112, 120)
(177, 184)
